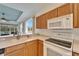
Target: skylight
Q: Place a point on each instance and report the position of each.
(9, 13)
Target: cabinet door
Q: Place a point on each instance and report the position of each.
(40, 48)
(43, 22)
(34, 48)
(76, 16)
(65, 9)
(52, 14)
(31, 48)
(38, 23)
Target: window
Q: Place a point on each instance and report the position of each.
(29, 26)
(7, 29)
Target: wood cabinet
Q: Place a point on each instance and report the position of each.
(31, 48)
(41, 21)
(65, 9)
(38, 22)
(40, 48)
(34, 48)
(76, 16)
(52, 14)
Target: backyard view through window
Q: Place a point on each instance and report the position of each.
(29, 26)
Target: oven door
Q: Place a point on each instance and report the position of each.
(52, 50)
(48, 51)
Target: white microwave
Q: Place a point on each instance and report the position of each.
(62, 22)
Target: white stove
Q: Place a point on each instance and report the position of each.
(55, 47)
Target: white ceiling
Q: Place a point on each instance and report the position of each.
(29, 9)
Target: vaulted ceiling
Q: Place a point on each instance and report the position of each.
(24, 10)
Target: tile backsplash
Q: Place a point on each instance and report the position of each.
(66, 33)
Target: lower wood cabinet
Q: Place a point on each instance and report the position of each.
(40, 48)
(34, 48)
(31, 48)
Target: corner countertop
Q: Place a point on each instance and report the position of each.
(11, 42)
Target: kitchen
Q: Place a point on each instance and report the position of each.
(40, 29)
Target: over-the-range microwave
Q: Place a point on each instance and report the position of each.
(62, 22)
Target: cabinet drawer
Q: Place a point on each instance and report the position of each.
(14, 48)
(20, 52)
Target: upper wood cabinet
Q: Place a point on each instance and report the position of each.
(41, 22)
(38, 23)
(52, 14)
(65, 9)
(76, 16)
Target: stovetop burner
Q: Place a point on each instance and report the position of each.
(60, 42)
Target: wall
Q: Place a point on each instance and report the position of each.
(68, 34)
(60, 33)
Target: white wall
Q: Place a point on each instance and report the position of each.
(68, 34)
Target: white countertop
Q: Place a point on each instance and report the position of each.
(8, 43)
